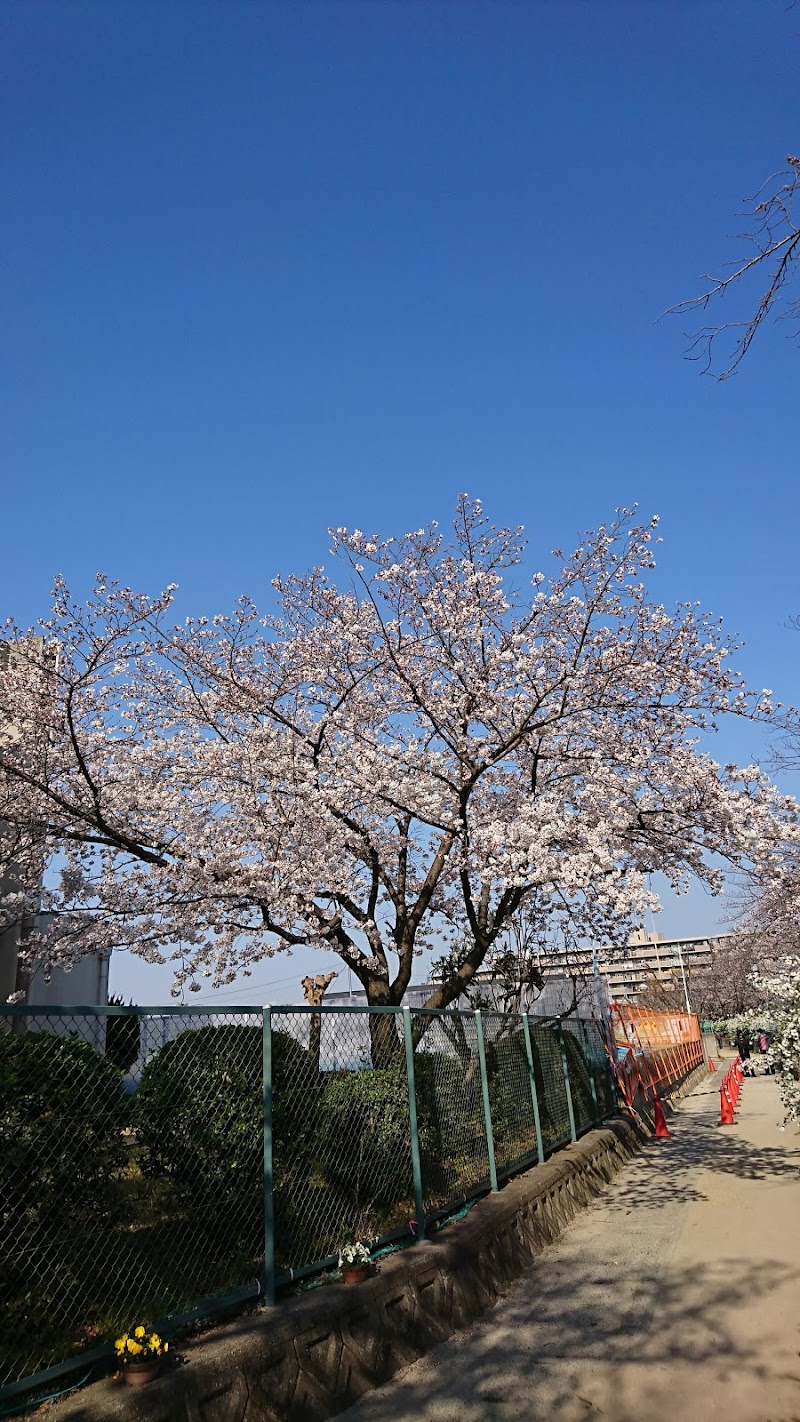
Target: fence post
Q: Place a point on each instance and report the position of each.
(567, 1085)
(590, 1068)
(526, 1032)
(487, 1110)
(268, 1282)
(416, 1164)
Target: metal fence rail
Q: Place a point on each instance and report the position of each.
(154, 1161)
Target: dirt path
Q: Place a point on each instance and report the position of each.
(676, 1295)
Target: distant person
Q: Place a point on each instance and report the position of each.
(743, 1044)
(763, 1043)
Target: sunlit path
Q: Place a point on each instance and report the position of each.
(676, 1295)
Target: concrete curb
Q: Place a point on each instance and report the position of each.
(315, 1355)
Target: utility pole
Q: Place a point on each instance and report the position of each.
(683, 975)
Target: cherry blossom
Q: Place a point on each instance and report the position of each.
(396, 760)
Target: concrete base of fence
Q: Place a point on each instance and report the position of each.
(314, 1355)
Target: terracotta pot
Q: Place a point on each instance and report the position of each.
(355, 1273)
(137, 1374)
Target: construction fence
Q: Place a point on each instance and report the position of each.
(157, 1164)
(654, 1050)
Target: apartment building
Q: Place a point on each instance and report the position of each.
(87, 982)
(646, 959)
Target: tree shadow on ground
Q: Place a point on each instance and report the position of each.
(697, 1144)
(534, 1358)
(606, 1326)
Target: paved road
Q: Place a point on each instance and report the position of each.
(675, 1296)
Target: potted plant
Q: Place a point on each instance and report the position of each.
(141, 1354)
(354, 1263)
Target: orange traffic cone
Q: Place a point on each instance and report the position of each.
(725, 1109)
(662, 1133)
(711, 1066)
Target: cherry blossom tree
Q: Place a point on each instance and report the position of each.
(393, 762)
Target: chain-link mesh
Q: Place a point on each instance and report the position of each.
(132, 1149)
(600, 1069)
(452, 1126)
(341, 1132)
(581, 1081)
(131, 1168)
(550, 1086)
(509, 1078)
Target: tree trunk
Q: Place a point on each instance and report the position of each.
(386, 1043)
(314, 990)
(385, 1030)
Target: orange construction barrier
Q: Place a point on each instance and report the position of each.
(711, 1066)
(651, 1049)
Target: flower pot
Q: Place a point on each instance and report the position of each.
(355, 1273)
(137, 1374)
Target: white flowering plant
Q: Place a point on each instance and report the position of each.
(755, 1021)
(353, 1255)
(783, 991)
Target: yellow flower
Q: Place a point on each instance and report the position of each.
(134, 1347)
(166, 1347)
(139, 1332)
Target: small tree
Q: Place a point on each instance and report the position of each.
(199, 1118)
(62, 1154)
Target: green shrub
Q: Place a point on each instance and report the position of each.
(549, 1077)
(364, 1131)
(62, 1110)
(510, 1097)
(199, 1116)
(61, 1113)
(450, 1115)
(580, 1085)
(364, 1135)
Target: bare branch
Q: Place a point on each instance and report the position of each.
(773, 238)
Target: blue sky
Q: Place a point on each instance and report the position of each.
(272, 267)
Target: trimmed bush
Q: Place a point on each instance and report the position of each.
(199, 1117)
(62, 1111)
(364, 1135)
(450, 1114)
(583, 1103)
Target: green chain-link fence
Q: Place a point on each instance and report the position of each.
(155, 1162)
